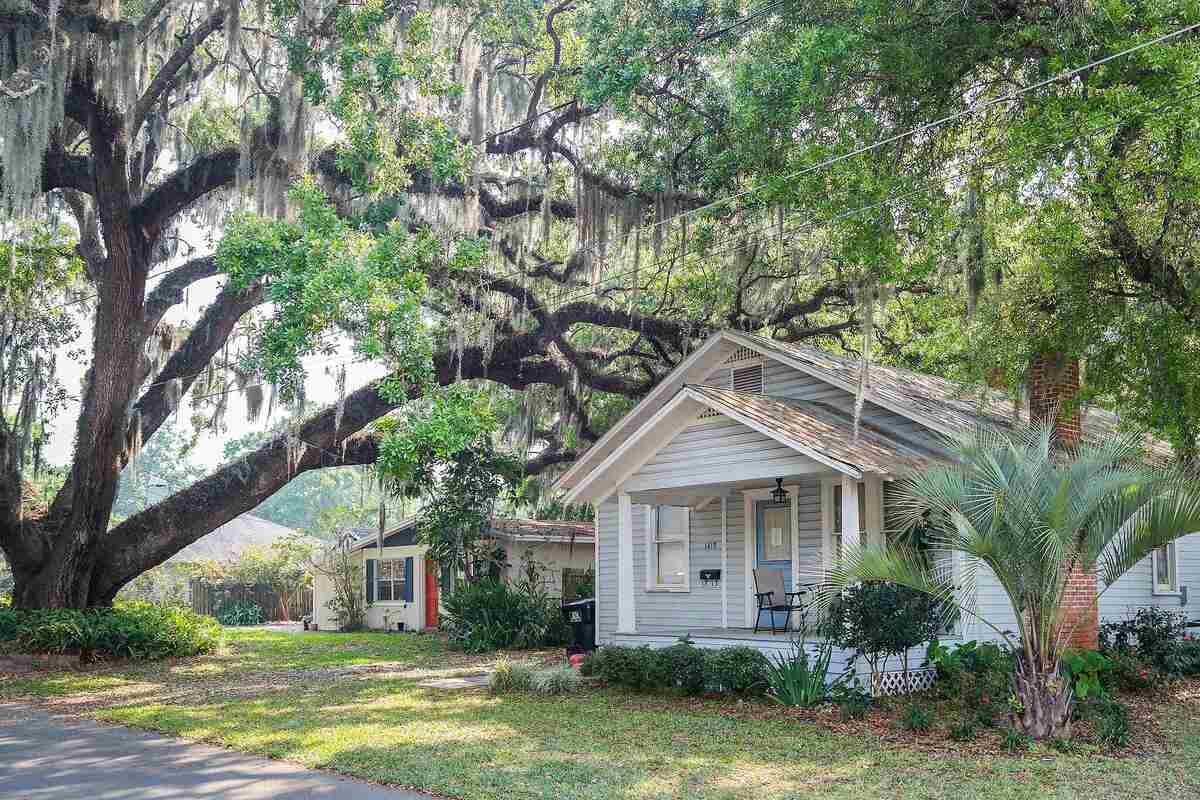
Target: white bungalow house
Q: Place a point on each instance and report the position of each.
(682, 486)
(402, 585)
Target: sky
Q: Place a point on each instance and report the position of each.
(321, 388)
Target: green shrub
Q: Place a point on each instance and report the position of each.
(1184, 658)
(510, 677)
(587, 667)
(963, 731)
(852, 702)
(555, 681)
(637, 668)
(799, 679)
(1152, 635)
(684, 667)
(879, 620)
(737, 670)
(490, 614)
(128, 630)
(239, 613)
(974, 676)
(916, 718)
(1129, 673)
(1111, 720)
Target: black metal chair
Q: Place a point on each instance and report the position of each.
(768, 590)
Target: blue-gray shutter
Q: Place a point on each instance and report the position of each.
(408, 579)
(370, 580)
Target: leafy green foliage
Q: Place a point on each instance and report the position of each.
(163, 466)
(490, 614)
(1086, 670)
(1111, 720)
(1151, 634)
(127, 630)
(737, 670)
(237, 613)
(556, 681)
(974, 676)
(510, 676)
(878, 620)
(800, 678)
(916, 718)
(852, 702)
(684, 664)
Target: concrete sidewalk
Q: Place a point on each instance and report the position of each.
(44, 756)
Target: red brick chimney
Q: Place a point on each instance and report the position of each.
(1053, 383)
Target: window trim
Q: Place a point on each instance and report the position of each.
(871, 527)
(1157, 589)
(652, 542)
(393, 581)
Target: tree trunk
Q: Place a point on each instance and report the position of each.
(62, 580)
(1045, 698)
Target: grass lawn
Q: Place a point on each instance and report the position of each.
(351, 704)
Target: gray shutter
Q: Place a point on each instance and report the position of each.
(408, 579)
(370, 580)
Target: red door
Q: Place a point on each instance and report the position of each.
(431, 594)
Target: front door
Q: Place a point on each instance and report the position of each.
(773, 535)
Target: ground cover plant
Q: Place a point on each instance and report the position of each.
(352, 703)
(128, 630)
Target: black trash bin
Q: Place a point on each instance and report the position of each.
(581, 616)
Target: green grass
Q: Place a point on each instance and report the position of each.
(596, 745)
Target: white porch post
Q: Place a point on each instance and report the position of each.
(795, 524)
(724, 561)
(626, 618)
(851, 524)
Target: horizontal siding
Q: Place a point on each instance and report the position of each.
(711, 450)
(700, 606)
(736, 579)
(1135, 589)
(606, 569)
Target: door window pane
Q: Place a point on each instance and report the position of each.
(777, 535)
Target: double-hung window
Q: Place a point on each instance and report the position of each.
(1165, 570)
(389, 580)
(670, 540)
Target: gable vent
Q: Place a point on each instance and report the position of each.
(747, 379)
(743, 354)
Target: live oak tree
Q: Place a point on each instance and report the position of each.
(422, 180)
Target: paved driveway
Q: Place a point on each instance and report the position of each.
(44, 756)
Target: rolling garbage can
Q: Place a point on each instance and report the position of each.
(581, 616)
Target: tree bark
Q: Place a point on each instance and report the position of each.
(1046, 699)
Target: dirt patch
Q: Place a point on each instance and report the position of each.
(21, 663)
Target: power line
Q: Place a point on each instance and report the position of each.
(976, 168)
(1065, 75)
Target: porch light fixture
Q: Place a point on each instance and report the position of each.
(779, 494)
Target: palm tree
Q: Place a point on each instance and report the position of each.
(1033, 512)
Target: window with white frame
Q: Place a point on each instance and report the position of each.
(670, 542)
(1165, 570)
(389, 580)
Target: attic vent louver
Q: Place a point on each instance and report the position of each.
(747, 379)
(742, 354)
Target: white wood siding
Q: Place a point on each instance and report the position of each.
(606, 569)
(1134, 589)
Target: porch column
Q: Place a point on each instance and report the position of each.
(626, 618)
(851, 524)
(795, 536)
(724, 561)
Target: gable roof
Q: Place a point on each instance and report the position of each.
(822, 428)
(936, 403)
(502, 528)
(230, 540)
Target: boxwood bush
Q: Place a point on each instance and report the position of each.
(683, 666)
(127, 630)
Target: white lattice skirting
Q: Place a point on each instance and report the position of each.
(888, 684)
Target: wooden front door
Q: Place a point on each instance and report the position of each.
(431, 594)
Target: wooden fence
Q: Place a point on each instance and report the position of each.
(207, 598)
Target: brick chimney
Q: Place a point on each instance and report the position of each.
(1053, 382)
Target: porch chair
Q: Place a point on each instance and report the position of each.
(773, 597)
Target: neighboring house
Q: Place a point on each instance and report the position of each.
(402, 584)
(229, 541)
(682, 487)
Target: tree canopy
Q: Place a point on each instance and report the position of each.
(547, 205)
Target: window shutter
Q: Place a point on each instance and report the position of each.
(370, 580)
(408, 579)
